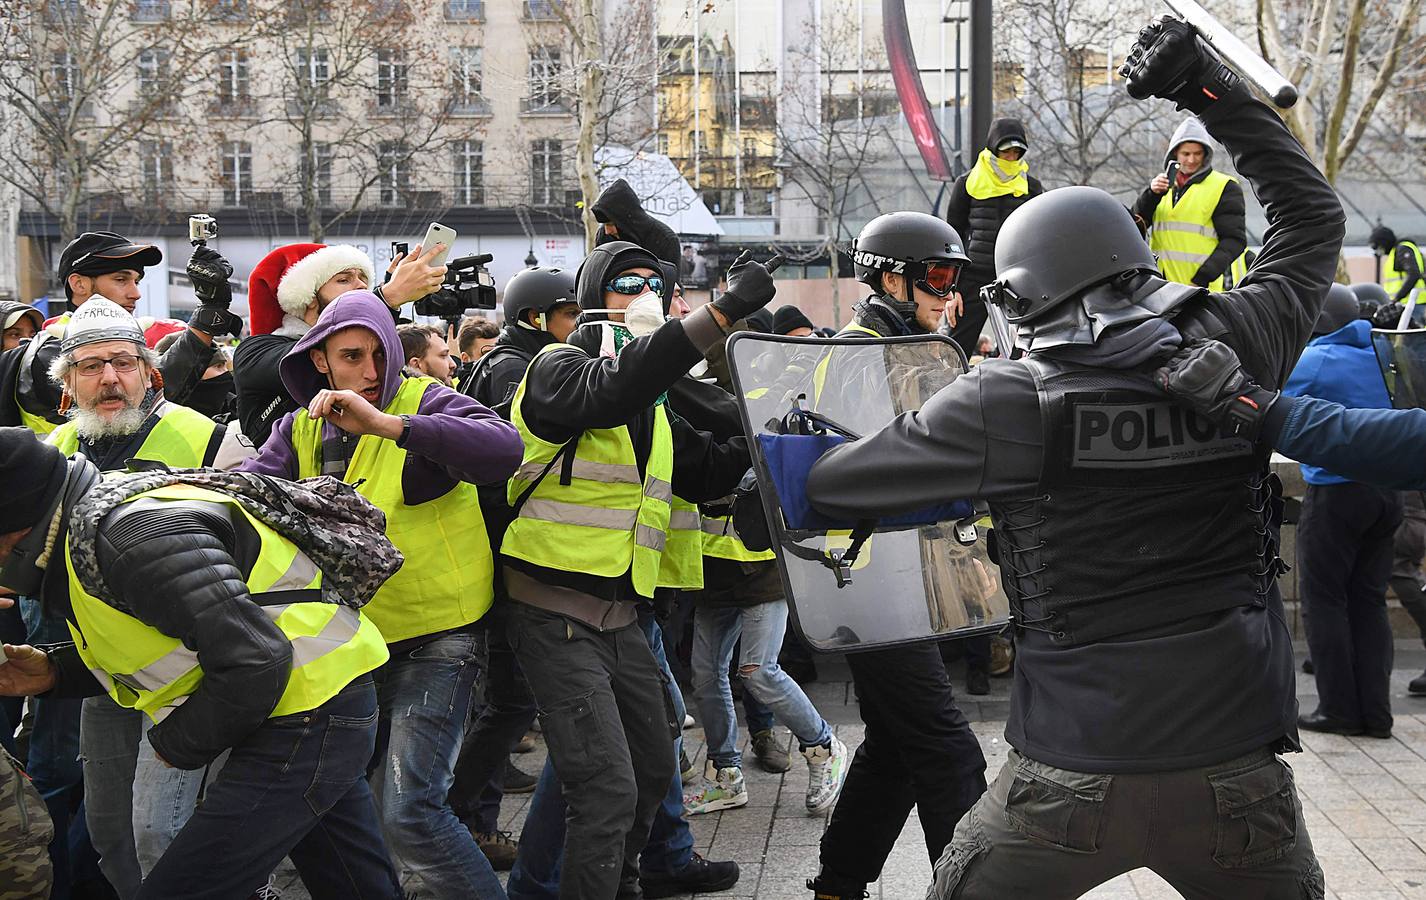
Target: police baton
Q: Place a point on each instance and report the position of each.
(1236, 53)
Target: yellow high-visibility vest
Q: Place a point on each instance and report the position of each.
(179, 439)
(448, 578)
(681, 565)
(142, 668)
(607, 520)
(721, 540)
(1183, 236)
(1393, 278)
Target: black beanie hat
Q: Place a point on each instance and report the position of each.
(760, 321)
(787, 318)
(32, 472)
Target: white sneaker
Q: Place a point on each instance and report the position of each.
(721, 789)
(826, 770)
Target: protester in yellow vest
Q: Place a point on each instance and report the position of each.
(185, 605)
(603, 461)
(1197, 220)
(116, 414)
(1402, 267)
(416, 449)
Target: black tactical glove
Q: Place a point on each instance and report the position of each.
(209, 272)
(750, 286)
(1171, 61)
(1207, 377)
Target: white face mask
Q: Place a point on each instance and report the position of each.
(643, 316)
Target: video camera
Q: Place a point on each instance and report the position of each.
(468, 285)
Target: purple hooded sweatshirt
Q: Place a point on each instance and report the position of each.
(453, 438)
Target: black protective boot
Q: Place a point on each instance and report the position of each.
(824, 888)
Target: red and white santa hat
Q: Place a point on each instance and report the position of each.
(286, 281)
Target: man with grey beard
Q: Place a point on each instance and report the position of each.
(113, 398)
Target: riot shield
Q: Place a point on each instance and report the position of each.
(857, 585)
(1402, 357)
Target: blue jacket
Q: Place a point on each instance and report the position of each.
(1340, 367)
(1381, 447)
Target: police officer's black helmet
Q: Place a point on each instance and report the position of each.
(1060, 243)
(905, 242)
(540, 288)
(1370, 292)
(1339, 307)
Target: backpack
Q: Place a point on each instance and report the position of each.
(342, 532)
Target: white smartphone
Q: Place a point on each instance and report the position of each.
(439, 234)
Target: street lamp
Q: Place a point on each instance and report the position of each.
(530, 260)
(957, 12)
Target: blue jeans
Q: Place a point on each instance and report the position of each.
(425, 700)
(294, 787)
(53, 762)
(536, 875)
(134, 805)
(715, 631)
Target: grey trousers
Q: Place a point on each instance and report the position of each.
(1234, 829)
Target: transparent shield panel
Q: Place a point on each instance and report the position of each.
(919, 577)
(1402, 356)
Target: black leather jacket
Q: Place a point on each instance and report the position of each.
(180, 567)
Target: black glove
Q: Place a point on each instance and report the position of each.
(209, 272)
(1171, 61)
(1207, 377)
(750, 286)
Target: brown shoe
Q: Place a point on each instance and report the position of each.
(499, 848)
(526, 744)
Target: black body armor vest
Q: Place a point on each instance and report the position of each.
(1150, 514)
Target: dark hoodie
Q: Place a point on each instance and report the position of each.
(452, 438)
(978, 221)
(568, 392)
(1230, 218)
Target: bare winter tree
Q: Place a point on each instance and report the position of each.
(366, 93)
(609, 76)
(1083, 127)
(82, 80)
(830, 135)
(1347, 57)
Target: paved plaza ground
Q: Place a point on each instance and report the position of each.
(1365, 803)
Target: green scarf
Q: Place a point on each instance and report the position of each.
(996, 177)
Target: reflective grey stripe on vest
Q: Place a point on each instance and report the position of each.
(650, 537)
(685, 520)
(1207, 231)
(608, 473)
(297, 576)
(659, 490)
(719, 528)
(1181, 256)
(163, 712)
(575, 514)
(179, 661)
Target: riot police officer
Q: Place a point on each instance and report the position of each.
(1138, 545)
(918, 749)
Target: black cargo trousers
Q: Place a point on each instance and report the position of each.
(918, 751)
(1233, 829)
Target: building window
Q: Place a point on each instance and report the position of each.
(544, 77)
(469, 173)
(541, 9)
(314, 66)
(546, 177)
(391, 80)
(465, 75)
(750, 148)
(391, 161)
(153, 73)
(465, 10)
(661, 143)
(698, 142)
(150, 10)
(316, 170)
(155, 170)
(64, 75)
(233, 77)
(237, 169)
